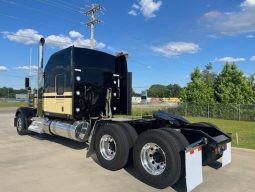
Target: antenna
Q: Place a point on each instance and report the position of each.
(91, 12)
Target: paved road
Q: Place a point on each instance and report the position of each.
(45, 163)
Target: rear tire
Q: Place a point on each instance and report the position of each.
(157, 159)
(132, 136)
(21, 125)
(182, 143)
(112, 146)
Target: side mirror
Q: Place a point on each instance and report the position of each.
(27, 83)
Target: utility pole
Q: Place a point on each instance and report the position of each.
(91, 12)
(30, 63)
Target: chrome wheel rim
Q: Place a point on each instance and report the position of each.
(19, 124)
(153, 159)
(108, 147)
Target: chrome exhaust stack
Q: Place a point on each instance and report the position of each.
(40, 78)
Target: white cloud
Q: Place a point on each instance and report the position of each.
(31, 36)
(229, 59)
(237, 22)
(252, 58)
(60, 41)
(133, 12)
(250, 36)
(111, 48)
(27, 70)
(146, 7)
(81, 42)
(75, 34)
(100, 45)
(212, 36)
(248, 3)
(176, 48)
(212, 14)
(3, 68)
(135, 6)
(27, 67)
(27, 36)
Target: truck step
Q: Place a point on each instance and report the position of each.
(35, 129)
(36, 126)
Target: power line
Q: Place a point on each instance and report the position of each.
(61, 6)
(26, 20)
(69, 4)
(10, 16)
(91, 12)
(14, 3)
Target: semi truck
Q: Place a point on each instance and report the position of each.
(81, 93)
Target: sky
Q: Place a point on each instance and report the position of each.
(165, 39)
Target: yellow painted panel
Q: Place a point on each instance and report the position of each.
(58, 105)
(55, 94)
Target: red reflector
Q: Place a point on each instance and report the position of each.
(199, 148)
(191, 151)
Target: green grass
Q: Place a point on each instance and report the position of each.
(146, 110)
(12, 104)
(244, 129)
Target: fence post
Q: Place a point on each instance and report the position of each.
(208, 110)
(239, 112)
(186, 108)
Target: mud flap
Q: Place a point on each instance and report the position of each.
(226, 157)
(193, 163)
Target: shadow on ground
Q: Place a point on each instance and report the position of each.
(179, 187)
(60, 140)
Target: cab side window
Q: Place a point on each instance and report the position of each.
(60, 84)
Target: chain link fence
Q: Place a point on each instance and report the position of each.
(217, 110)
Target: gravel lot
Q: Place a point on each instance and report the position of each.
(46, 163)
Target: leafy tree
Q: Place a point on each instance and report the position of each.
(252, 80)
(8, 91)
(200, 89)
(174, 90)
(233, 87)
(158, 90)
(208, 75)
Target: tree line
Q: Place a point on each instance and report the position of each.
(231, 85)
(8, 92)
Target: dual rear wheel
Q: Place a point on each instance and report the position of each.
(113, 144)
(157, 154)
